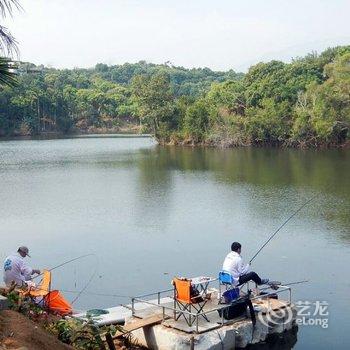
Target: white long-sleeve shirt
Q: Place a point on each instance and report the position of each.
(16, 269)
(233, 264)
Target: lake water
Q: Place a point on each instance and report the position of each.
(148, 213)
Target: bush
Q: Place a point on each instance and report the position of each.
(196, 120)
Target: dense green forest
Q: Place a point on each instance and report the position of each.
(305, 103)
(47, 99)
(302, 103)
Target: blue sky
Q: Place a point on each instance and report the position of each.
(219, 34)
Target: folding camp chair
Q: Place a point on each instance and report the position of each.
(227, 281)
(39, 291)
(186, 298)
(43, 288)
(51, 300)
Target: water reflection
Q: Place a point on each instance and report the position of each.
(283, 341)
(282, 176)
(322, 170)
(155, 187)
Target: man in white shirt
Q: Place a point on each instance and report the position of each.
(17, 270)
(234, 265)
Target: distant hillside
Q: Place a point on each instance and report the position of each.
(305, 103)
(97, 99)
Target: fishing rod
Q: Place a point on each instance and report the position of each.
(66, 262)
(286, 284)
(293, 283)
(79, 293)
(284, 223)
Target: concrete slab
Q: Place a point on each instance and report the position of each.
(212, 335)
(163, 338)
(118, 314)
(235, 333)
(215, 321)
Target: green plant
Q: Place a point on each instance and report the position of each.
(13, 299)
(81, 334)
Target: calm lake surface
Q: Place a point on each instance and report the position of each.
(149, 213)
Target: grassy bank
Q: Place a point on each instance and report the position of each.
(28, 325)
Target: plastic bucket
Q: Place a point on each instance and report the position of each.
(55, 302)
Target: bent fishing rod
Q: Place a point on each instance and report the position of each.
(72, 260)
(279, 228)
(66, 262)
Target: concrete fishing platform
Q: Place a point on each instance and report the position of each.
(239, 332)
(152, 322)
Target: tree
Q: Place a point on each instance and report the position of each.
(228, 95)
(302, 102)
(196, 120)
(323, 111)
(155, 100)
(268, 124)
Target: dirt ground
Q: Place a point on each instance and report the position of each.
(18, 332)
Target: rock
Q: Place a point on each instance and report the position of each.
(4, 304)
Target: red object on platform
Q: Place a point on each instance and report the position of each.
(55, 301)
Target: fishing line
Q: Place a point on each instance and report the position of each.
(97, 294)
(129, 296)
(70, 261)
(88, 282)
(66, 262)
(83, 290)
(37, 288)
(284, 223)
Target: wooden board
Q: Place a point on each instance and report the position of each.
(273, 304)
(140, 323)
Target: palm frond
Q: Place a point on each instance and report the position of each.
(8, 44)
(7, 7)
(7, 72)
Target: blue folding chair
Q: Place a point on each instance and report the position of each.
(226, 280)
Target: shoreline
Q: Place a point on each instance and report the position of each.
(186, 143)
(131, 129)
(222, 144)
(51, 135)
(73, 136)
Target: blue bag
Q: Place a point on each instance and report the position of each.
(230, 295)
